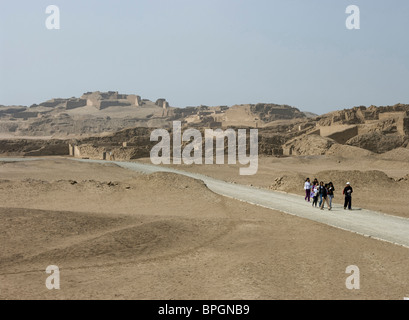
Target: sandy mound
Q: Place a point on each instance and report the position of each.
(133, 195)
(33, 230)
(175, 181)
(348, 151)
(100, 239)
(376, 142)
(399, 154)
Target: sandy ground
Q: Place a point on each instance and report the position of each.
(116, 234)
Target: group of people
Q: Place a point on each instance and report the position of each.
(324, 193)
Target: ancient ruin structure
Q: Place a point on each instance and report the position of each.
(102, 100)
(354, 125)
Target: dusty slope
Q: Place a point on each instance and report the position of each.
(164, 236)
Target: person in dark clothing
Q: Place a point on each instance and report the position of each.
(348, 196)
(325, 197)
(331, 190)
(321, 190)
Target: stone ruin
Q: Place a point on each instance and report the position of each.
(67, 104)
(102, 100)
(356, 127)
(164, 105)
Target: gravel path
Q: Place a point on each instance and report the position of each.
(369, 223)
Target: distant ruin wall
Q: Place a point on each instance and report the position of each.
(89, 151)
(121, 153)
(25, 115)
(93, 102)
(134, 100)
(112, 103)
(403, 126)
(160, 102)
(70, 149)
(392, 115)
(31, 147)
(52, 103)
(342, 135)
(77, 152)
(72, 104)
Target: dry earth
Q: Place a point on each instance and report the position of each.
(116, 234)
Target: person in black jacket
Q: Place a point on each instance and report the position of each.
(348, 196)
(331, 190)
(325, 197)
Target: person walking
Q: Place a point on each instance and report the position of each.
(307, 188)
(348, 196)
(325, 198)
(315, 191)
(321, 188)
(331, 190)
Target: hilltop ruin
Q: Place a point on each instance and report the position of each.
(98, 124)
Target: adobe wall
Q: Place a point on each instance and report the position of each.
(52, 103)
(110, 103)
(288, 150)
(403, 126)
(25, 115)
(134, 99)
(93, 102)
(107, 152)
(339, 133)
(77, 103)
(70, 149)
(77, 152)
(392, 115)
(160, 102)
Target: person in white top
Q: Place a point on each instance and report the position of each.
(315, 194)
(307, 188)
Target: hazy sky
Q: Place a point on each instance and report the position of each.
(212, 52)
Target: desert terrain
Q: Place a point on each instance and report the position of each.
(115, 233)
(118, 234)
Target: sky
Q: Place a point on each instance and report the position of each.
(208, 52)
